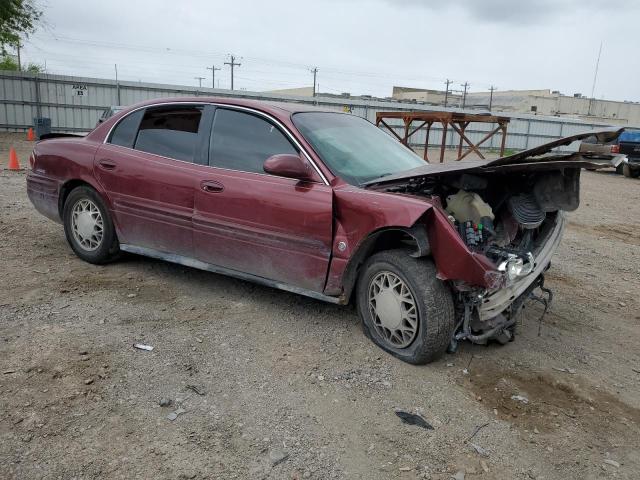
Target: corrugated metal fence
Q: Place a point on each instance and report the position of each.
(74, 104)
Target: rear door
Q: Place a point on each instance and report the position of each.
(147, 168)
(246, 220)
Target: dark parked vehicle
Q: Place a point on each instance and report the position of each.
(318, 203)
(109, 112)
(626, 147)
(629, 145)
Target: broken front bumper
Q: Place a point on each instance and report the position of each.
(497, 301)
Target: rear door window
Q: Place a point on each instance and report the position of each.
(242, 141)
(170, 132)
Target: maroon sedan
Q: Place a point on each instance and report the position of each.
(319, 203)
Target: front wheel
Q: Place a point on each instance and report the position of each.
(88, 226)
(404, 308)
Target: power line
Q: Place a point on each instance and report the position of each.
(232, 64)
(201, 53)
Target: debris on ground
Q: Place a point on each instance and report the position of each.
(520, 398)
(413, 419)
(476, 430)
(479, 450)
(195, 389)
(141, 346)
(458, 475)
(173, 415)
(165, 402)
(565, 370)
(613, 463)
(277, 456)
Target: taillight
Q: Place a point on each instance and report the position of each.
(615, 148)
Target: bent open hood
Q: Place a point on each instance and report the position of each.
(532, 159)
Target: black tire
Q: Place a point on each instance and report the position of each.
(436, 317)
(109, 247)
(620, 169)
(630, 172)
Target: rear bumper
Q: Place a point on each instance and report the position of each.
(498, 301)
(43, 192)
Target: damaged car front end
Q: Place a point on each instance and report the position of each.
(504, 219)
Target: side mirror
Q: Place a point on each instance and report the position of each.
(288, 165)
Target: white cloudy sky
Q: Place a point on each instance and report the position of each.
(359, 46)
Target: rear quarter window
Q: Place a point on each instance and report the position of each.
(124, 134)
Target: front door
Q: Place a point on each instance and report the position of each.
(147, 169)
(246, 220)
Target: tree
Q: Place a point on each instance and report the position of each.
(9, 63)
(17, 18)
(34, 68)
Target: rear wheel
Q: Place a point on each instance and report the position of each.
(88, 226)
(630, 172)
(404, 308)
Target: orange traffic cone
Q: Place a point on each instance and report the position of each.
(30, 136)
(13, 160)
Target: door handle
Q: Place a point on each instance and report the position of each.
(107, 164)
(211, 186)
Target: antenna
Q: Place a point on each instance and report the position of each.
(595, 76)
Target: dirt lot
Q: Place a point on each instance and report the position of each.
(273, 385)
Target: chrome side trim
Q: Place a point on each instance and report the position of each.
(193, 263)
(284, 129)
(496, 302)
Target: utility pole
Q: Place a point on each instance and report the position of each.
(446, 92)
(115, 65)
(213, 75)
(18, 52)
(464, 94)
(314, 70)
(199, 81)
(232, 64)
(491, 90)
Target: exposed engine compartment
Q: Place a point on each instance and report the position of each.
(504, 216)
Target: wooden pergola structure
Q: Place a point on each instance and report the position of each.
(458, 123)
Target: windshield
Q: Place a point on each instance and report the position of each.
(353, 148)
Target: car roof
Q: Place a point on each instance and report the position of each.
(273, 107)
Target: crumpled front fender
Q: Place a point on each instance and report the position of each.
(454, 261)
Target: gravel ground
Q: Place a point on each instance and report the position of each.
(266, 384)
